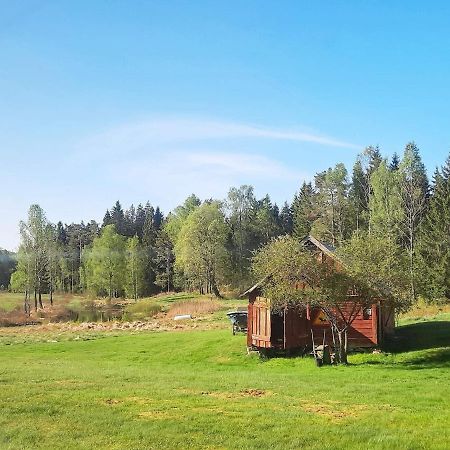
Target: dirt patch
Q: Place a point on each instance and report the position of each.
(334, 411)
(255, 393)
(158, 415)
(112, 401)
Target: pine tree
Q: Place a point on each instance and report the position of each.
(333, 224)
(366, 164)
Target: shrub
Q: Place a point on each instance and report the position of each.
(141, 310)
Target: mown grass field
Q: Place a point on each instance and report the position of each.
(199, 389)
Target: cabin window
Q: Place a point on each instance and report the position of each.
(367, 313)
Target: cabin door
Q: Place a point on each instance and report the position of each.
(261, 326)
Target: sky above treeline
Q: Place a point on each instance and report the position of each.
(140, 101)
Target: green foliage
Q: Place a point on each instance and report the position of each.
(385, 204)
(333, 224)
(176, 220)
(200, 249)
(283, 264)
(380, 268)
(18, 281)
(434, 240)
(104, 263)
(366, 164)
(164, 259)
(134, 268)
(303, 210)
(8, 264)
(241, 204)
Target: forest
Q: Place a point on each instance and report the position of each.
(208, 246)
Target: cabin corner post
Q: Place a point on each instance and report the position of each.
(376, 323)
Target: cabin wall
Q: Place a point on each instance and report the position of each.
(296, 328)
(387, 318)
(293, 328)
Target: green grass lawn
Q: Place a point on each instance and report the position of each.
(199, 389)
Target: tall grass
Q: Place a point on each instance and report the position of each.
(196, 307)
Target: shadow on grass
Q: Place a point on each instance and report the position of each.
(420, 336)
(430, 342)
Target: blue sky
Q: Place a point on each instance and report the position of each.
(137, 100)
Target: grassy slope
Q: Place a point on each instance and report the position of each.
(194, 389)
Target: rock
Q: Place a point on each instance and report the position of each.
(182, 317)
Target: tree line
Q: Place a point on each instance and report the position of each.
(208, 245)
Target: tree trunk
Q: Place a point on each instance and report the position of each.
(26, 303)
(35, 299)
(40, 299)
(342, 346)
(215, 289)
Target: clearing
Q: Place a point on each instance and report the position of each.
(199, 389)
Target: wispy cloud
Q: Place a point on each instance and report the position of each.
(166, 159)
(240, 164)
(151, 133)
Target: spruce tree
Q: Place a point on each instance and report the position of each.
(303, 214)
(434, 240)
(139, 221)
(118, 218)
(286, 219)
(395, 163)
(414, 189)
(130, 220)
(106, 219)
(158, 218)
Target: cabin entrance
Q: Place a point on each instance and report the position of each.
(277, 322)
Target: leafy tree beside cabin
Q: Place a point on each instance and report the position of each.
(295, 277)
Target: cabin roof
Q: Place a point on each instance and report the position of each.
(254, 287)
(326, 248)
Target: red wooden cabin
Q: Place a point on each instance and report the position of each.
(291, 328)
